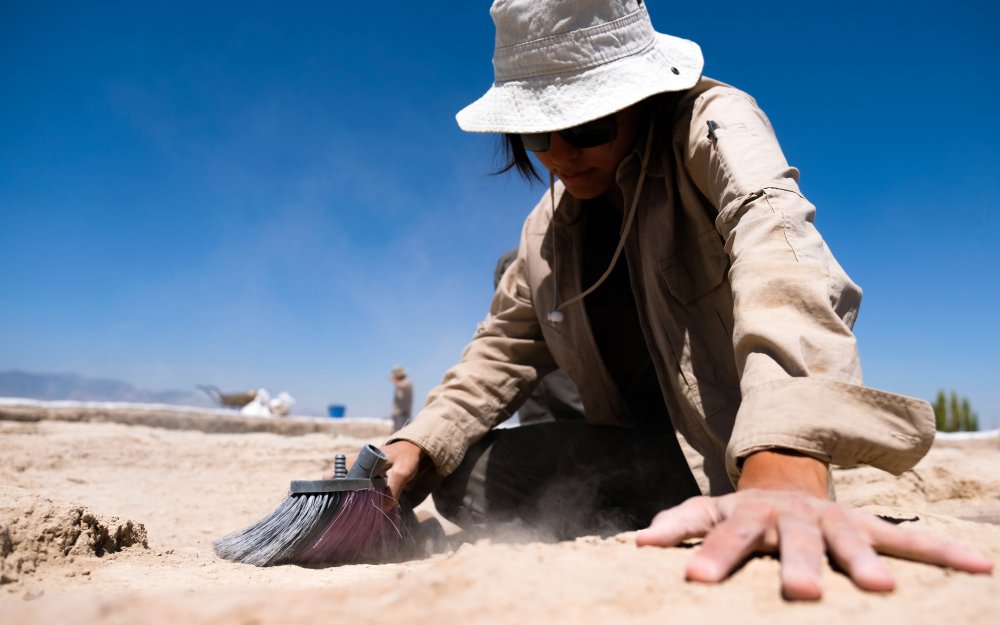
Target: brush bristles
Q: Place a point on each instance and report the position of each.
(277, 537)
(361, 531)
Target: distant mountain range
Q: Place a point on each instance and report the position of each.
(70, 386)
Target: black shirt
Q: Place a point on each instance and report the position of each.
(615, 320)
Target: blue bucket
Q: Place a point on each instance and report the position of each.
(337, 411)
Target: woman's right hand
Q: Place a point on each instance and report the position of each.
(401, 467)
(404, 459)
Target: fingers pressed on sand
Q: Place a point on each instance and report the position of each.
(853, 551)
(725, 547)
(691, 519)
(921, 547)
(802, 552)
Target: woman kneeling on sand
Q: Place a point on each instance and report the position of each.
(673, 271)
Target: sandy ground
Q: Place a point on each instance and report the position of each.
(112, 523)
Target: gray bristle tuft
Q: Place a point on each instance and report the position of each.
(277, 536)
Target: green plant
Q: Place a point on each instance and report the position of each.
(954, 414)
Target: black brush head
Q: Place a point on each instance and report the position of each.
(338, 485)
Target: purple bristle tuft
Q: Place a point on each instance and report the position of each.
(362, 530)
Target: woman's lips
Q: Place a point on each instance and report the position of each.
(567, 177)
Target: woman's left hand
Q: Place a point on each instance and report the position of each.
(778, 510)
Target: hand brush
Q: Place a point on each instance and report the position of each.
(350, 518)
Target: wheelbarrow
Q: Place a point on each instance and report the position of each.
(228, 400)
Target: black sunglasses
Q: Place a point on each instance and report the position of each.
(588, 135)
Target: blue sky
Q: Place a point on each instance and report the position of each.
(276, 194)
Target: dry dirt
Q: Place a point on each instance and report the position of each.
(106, 522)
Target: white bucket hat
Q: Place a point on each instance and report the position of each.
(561, 63)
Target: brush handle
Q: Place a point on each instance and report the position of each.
(369, 463)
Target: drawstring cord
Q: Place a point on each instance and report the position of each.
(556, 315)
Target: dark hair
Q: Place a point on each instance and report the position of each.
(512, 154)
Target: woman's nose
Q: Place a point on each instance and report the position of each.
(561, 150)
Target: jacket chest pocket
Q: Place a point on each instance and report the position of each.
(696, 270)
(697, 321)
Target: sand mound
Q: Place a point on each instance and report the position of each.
(35, 532)
(958, 478)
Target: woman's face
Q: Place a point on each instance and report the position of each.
(588, 173)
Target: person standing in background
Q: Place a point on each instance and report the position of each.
(402, 399)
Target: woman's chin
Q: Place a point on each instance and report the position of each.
(583, 190)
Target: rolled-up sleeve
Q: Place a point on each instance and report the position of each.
(794, 306)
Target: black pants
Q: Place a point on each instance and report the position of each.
(567, 479)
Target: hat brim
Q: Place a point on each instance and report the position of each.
(554, 102)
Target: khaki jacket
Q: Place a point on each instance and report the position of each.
(746, 313)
